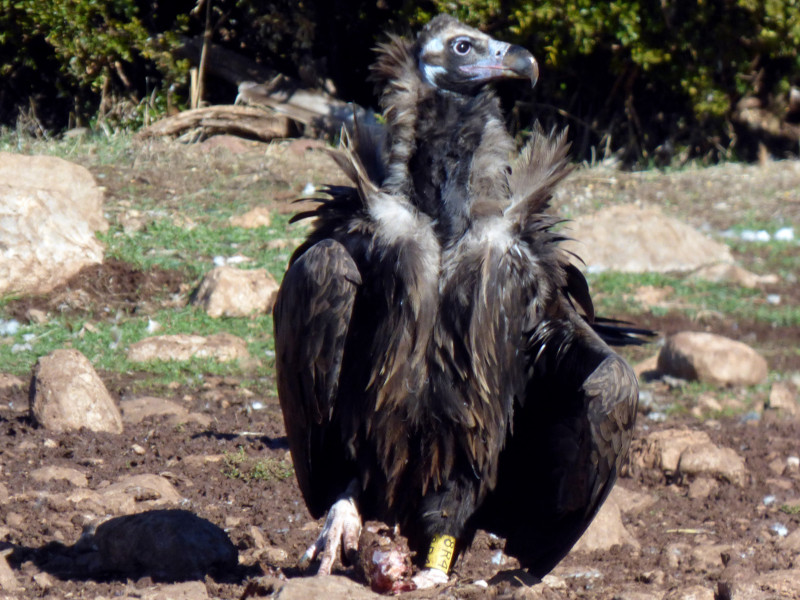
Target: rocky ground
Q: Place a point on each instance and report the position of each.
(707, 508)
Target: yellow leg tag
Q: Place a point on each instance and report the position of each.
(440, 554)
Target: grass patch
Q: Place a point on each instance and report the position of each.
(614, 293)
(239, 465)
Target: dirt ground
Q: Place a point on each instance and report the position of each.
(267, 521)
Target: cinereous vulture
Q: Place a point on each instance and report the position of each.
(438, 362)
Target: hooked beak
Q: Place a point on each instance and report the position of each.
(504, 62)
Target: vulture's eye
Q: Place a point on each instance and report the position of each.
(462, 47)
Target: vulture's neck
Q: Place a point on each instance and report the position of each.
(448, 153)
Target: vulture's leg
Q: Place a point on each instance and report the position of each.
(341, 531)
(569, 439)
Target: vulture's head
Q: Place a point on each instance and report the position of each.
(460, 59)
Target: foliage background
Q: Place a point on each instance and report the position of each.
(646, 79)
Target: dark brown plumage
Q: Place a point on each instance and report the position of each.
(433, 368)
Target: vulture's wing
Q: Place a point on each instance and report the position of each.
(572, 426)
(312, 316)
(569, 439)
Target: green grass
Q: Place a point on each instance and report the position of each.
(170, 246)
(613, 293)
(239, 465)
(105, 343)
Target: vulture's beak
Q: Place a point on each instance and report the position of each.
(504, 61)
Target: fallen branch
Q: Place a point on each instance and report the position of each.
(243, 121)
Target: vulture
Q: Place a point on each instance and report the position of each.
(439, 365)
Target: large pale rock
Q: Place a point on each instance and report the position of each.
(220, 346)
(54, 473)
(691, 453)
(783, 583)
(708, 459)
(641, 240)
(67, 394)
(606, 530)
(330, 587)
(631, 502)
(711, 358)
(50, 210)
(171, 545)
(232, 292)
(663, 449)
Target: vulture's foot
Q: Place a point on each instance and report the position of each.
(428, 578)
(341, 531)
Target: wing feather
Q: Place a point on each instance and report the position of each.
(312, 317)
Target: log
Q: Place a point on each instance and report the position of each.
(243, 121)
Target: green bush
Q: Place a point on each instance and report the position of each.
(648, 79)
(84, 51)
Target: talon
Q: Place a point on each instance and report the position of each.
(341, 530)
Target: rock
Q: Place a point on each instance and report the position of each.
(51, 211)
(221, 346)
(663, 449)
(606, 530)
(187, 590)
(629, 501)
(702, 487)
(257, 217)
(791, 542)
(783, 583)
(639, 594)
(641, 240)
(783, 398)
(730, 273)
(707, 558)
(51, 473)
(693, 592)
(711, 358)
(171, 545)
(67, 394)
(676, 554)
(708, 459)
(145, 487)
(232, 292)
(8, 581)
(330, 587)
(138, 409)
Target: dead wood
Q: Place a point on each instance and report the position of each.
(243, 121)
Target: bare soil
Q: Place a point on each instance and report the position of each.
(266, 518)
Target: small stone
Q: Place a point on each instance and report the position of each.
(259, 216)
(694, 592)
(232, 292)
(783, 398)
(707, 458)
(702, 487)
(137, 449)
